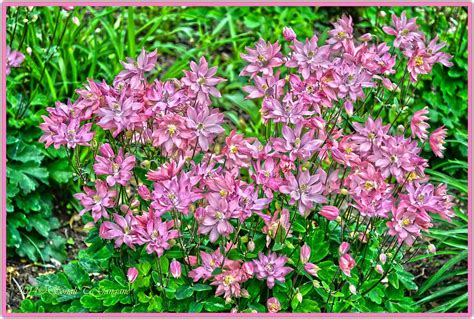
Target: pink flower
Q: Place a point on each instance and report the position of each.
(406, 32)
(135, 70)
(117, 168)
(171, 132)
(311, 269)
(445, 202)
(420, 62)
(346, 263)
(272, 268)
(263, 58)
(273, 305)
(175, 269)
(308, 57)
(175, 194)
(419, 127)
(236, 150)
(370, 135)
(299, 145)
(72, 134)
(344, 248)
(330, 212)
(120, 114)
(218, 213)
(266, 86)
(14, 59)
(202, 82)
(289, 34)
(156, 235)
(406, 223)
(204, 125)
(97, 201)
(228, 284)
(132, 274)
(342, 31)
(279, 222)
(305, 253)
(209, 264)
(306, 190)
(121, 230)
(437, 141)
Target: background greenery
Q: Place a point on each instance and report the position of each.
(67, 47)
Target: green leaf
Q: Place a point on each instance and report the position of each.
(76, 274)
(201, 287)
(184, 292)
(195, 307)
(308, 306)
(156, 304)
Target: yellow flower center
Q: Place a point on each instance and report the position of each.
(171, 129)
(229, 280)
(406, 222)
(233, 149)
(341, 35)
(419, 60)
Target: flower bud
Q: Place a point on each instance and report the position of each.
(248, 268)
(379, 269)
(29, 50)
(365, 37)
(383, 258)
(316, 284)
(244, 239)
(330, 212)
(353, 289)
(305, 253)
(251, 246)
(191, 260)
(299, 296)
(289, 34)
(273, 305)
(344, 248)
(175, 268)
(244, 293)
(75, 20)
(349, 107)
(382, 14)
(344, 191)
(311, 269)
(432, 249)
(34, 18)
(132, 274)
(234, 310)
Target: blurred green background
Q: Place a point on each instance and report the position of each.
(64, 48)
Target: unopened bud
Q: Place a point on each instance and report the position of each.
(299, 297)
(383, 258)
(353, 289)
(344, 191)
(251, 246)
(432, 249)
(379, 269)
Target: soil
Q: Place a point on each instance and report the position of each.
(22, 272)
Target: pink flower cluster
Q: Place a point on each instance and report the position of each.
(162, 166)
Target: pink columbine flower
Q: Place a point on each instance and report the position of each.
(204, 125)
(420, 62)
(405, 31)
(330, 212)
(210, 262)
(72, 134)
(14, 59)
(445, 203)
(419, 127)
(171, 132)
(342, 32)
(135, 70)
(156, 235)
(121, 231)
(346, 263)
(175, 268)
(118, 115)
(306, 190)
(132, 274)
(272, 268)
(236, 150)
(305, 253)
(201, 81)
(311, 269)
(289, 34)
(437, 138)
(97, 201)
(370, 135)
(344, 248)
(218, 213)
(273, 305)
(117, 168)
(298, 144)
(266, 86)
(263, 58)
(308, 57)
(228, 284)
(404, 224)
